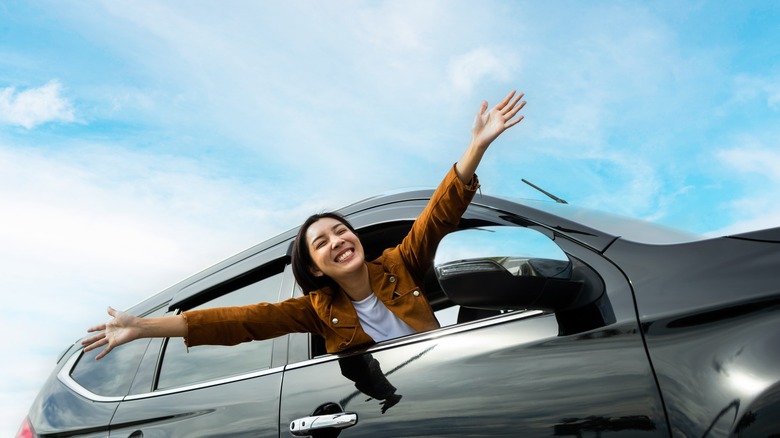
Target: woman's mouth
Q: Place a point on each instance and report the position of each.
(344, 255)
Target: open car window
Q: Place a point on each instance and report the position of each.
(518, 250)
(531, 273)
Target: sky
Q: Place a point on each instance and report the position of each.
(143, 141)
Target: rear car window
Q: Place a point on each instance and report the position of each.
(112, 375)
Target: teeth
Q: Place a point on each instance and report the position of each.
(343, 256)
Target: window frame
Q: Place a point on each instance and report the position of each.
(306, 342)
(279, 345)
(167, 342)
(475, 216)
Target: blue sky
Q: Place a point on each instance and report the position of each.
(141, 142)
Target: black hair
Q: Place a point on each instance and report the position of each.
(301, 257)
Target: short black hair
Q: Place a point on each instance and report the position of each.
(301, 257)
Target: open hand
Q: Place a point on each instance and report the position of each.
(490, 124)
(122, 329)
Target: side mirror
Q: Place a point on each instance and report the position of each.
(508, 268)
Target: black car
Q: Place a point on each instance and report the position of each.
(556, 321)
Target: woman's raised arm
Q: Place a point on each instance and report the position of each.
(124, 328)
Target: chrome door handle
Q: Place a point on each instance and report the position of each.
(304, 426)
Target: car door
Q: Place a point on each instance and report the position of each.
(210, 391)
(519, 373)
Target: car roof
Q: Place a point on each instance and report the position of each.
(592, 228)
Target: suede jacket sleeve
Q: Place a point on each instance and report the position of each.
(439, 218)
(234, 325)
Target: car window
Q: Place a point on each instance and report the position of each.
(182, 366)
(112, 375)
(515, 248)
(521, 247)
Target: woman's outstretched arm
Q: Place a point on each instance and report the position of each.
(124, 328)
(488, 125)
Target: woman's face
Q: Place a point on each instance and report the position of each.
(335, 250)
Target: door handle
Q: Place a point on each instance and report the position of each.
(304, 426)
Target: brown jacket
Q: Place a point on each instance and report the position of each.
(395, 278)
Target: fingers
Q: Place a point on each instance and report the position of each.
(511, 106)
(111, 312)
(478, 117)
(96, 328)
(95, 345)
(89, 342)
(508, 116)
(97, 341)
(103, 353)
(503, 103)
(482, 108)
(514, 122)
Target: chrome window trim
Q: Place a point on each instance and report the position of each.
(206, 384)
(64, 374)
(425, 336)
(64, 377)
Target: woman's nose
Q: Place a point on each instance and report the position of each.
(336, 241)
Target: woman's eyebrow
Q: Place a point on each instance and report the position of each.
(322, 236)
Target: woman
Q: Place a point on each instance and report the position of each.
(349, 301)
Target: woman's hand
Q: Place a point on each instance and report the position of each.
(488, 125)
(122, 329)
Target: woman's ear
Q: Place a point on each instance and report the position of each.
(315, 271)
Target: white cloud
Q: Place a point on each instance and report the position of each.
(756, 87)
(756, 168)
(402, 26)
(34, 106)
(753, 160)
(103, 213)
(467, 70)
(753, 213)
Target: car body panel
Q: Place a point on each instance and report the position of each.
(246, 407)
(710, 311)
(514, 378)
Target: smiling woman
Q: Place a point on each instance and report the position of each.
(313, 234)
(381, 296)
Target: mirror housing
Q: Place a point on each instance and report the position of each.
(510, 283)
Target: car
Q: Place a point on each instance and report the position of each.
(555, 321)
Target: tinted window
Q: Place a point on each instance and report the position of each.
(209, 362)
(112, 375)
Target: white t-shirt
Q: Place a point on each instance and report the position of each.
(378, 321)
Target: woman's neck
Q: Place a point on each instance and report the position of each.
(357, 286)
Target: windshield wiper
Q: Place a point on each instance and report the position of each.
(553, 197)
